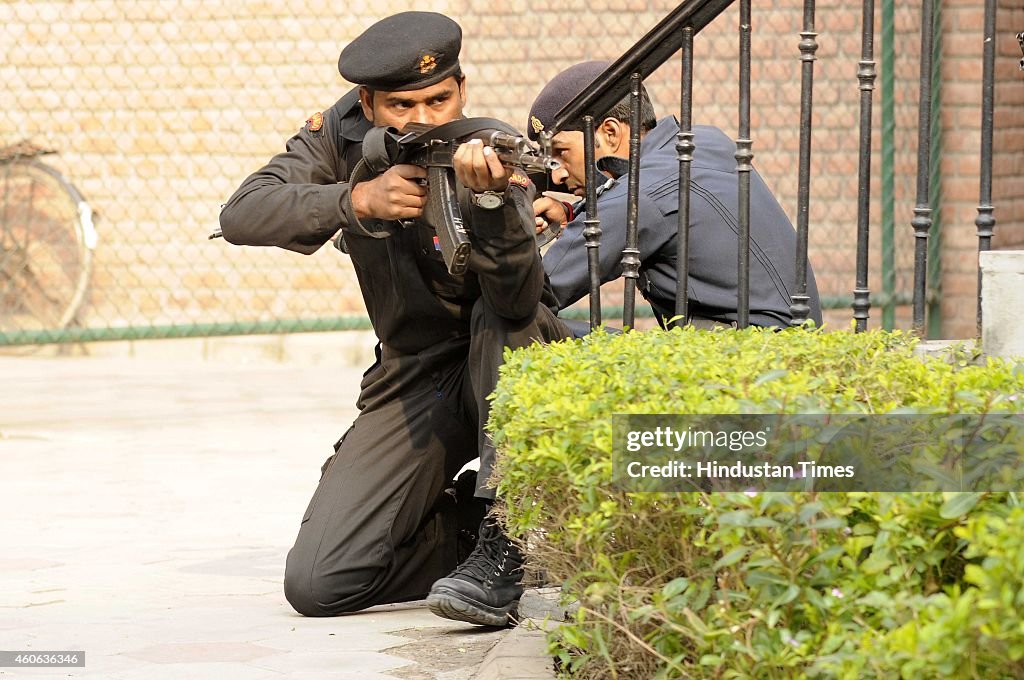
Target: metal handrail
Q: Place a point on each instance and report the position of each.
(644, 57)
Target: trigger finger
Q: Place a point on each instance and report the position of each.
(415, 201)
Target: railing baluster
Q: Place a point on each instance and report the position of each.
(922, 222)
(684, 149)
(592, 225)
(800, 310)
(888, 166)
(631, 253)
(744, 157)
(933, 276)
(985, 222)
(866, 76)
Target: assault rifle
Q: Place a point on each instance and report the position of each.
(433, 148)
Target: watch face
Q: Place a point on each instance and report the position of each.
(489, 201)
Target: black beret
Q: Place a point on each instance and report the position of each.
(561, 90)
(406, 51)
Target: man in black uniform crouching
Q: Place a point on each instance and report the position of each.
(372, 533)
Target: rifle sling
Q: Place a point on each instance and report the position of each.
(380, 149)
(382, 146)
(461, 128)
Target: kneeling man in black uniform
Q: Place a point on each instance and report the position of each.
(377, 529)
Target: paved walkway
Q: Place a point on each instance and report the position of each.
(146, 507)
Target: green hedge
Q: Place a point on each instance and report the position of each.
(774, 585)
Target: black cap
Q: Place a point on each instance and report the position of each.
(406, 51)
(561, 90)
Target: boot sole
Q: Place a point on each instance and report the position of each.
(451, 605)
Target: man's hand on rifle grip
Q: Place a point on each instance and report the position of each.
(397, 194)
(551, 213)
(478, 168)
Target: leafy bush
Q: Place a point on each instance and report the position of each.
(773, 585)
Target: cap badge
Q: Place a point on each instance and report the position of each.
(315, 122)
(536, 124)
(427, 64)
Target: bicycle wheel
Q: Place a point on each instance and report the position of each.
(46, 244)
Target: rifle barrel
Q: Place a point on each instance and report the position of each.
(528, 161)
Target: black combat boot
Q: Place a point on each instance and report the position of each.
(486, 587)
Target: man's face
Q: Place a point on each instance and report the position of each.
(433, 105)
(567, 148)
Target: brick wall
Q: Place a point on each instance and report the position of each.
(159, 108)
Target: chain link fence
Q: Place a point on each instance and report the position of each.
(156, 110)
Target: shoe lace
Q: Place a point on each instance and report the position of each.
(493, 551)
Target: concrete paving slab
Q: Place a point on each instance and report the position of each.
(146, 508)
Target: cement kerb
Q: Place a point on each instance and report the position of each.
(938, 349)
(520, 655)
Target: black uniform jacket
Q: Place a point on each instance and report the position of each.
(301, 198)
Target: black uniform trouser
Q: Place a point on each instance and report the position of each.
(371, 533)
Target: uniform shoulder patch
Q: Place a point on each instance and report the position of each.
(519, 179)
(315, 122)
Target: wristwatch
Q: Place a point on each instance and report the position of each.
(489, 200)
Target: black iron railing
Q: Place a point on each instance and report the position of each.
(922, 222)
(985, 222)
(684, 152)
(866, 77)
(675, 34)
(800, 310)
